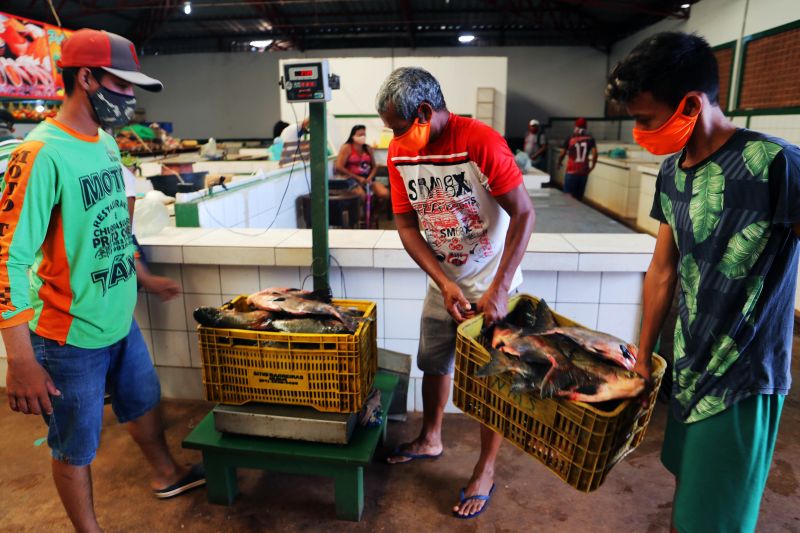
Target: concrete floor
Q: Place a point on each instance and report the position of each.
(636, 496)
(557, 212)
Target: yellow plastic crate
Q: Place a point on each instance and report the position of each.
(577, 441)
(330, 372)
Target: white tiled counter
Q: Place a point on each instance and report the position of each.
(595, 279)
(647, 191)
(615, 185)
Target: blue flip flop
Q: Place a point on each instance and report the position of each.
(464, 500)
(412, 456)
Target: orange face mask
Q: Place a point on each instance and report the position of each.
(670, 137)
(416, 138)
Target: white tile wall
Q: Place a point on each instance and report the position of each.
(201, 279)
(172, 272)
(167, 315)
(577, 287)
(279, 277)
(621, 320)
(549, 261)
(404, 284)
(171, 348)
(141, 313)
(402, 319)
(398, 293)
(584, 314)
(184, 383)
(621, 287)
(784, 126)
(540, 284)
(239, 279)
(385, 258)
(614, 262)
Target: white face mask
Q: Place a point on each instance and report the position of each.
(360, 139)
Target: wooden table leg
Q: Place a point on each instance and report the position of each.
(220, 479)
(350, 493)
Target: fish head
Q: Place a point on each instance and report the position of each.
(206, 315)
(503, 334)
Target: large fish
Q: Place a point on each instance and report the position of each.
(300, 303)
(613, 383)
(213, 317)
(310, 325)
(606, 346)
(560, 373)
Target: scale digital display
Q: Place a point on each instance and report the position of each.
(303, 73)
(306, 81)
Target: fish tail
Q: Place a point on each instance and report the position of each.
(566, 377)
(499, 363)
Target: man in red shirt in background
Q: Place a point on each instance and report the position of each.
(579, 147)
(457, 178)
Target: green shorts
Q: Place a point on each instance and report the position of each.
(721, 465)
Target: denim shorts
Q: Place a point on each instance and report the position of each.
(83, 376)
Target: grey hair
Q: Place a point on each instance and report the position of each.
(407, 88)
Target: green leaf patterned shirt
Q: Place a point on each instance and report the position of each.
(731, 216)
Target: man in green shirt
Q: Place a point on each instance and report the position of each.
(68, 278)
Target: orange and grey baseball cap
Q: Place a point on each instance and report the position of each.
(111, 52)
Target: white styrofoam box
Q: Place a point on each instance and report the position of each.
(148, 340)
(201, 279)
(212, 213)
(141, 312)
(402, 318)
(170, 271)
(274, 276)
(181, 383)
(406, 346)
(549, 261)
(614, 262)
(585, 314)
(540, 284)
(169, 315)
(621, 320)
(404, 284)
(171, 348)
(193, 301)
(578, 287)
(287, 219)
(239, 279)
(194, 350)
(621, 287)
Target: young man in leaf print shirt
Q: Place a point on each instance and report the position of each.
(729, 205)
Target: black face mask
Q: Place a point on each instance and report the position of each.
(112, 109)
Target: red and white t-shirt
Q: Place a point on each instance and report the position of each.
(451, 184)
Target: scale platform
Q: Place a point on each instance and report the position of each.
(285, 422)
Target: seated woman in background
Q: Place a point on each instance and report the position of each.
(357, 161)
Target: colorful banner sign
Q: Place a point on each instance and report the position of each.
(28, 54)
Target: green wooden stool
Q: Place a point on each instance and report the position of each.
(223, 453)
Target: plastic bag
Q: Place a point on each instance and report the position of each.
(523, 161)
(150, 215)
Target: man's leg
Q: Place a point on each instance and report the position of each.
(482, 478)
(148, 432)
(74, 484)
(135, 397)
(435, 391)
(435, 358)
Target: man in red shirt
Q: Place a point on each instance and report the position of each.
(579, 147)
(457, 178)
